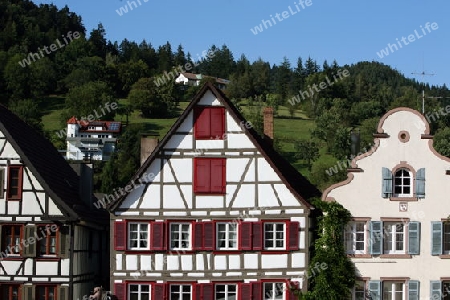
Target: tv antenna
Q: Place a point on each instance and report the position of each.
(423, 89)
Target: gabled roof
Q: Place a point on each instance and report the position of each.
(296, 183)
(52, 171)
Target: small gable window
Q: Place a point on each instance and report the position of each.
(14, 188)
(402, 183)
(210, 175)
(209, 123)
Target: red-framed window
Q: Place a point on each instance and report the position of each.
(10, 292)
(14, 186)
(47, 245)
(267, 235)
(209, 122)
(180, 235)
(138, 235)
(11, 239)
(209, 175)
(46, 292)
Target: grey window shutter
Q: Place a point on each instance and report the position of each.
(413, 290)
(63, 293)
(420, 183)
(64, 242)
(435, 290)
(414, 238)
(375, 289)
(376, 237)
(386, 183)
(436, 238)
(30, 249)
(28, 292)
(2, 183)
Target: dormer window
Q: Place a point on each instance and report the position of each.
(403, 183)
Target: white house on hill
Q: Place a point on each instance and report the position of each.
(220, 214)
(398, 195)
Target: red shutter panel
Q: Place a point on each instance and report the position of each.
(245, 235)
(202, 175)
(157, 237)
(217, 122)
(198, 236)
(218, 175)
(291, 287)
(208, 235)
(119, 291)
(257, 236)
(293, 235)
(256, 290)
(208, 291)
(202, 119)
(159, 291)
(198, 291)
(120, 235)
(245, 291)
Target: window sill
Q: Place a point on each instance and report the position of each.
(47, 258)
(403, 199)
(444, 256)
(359, 255)
(395, 256)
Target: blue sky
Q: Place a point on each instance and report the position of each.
(348, 31)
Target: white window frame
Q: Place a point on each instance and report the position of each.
(269, 295)
(392, 229)
(180, 232)
(402, 185)
(362, 284)
(274, 237)
(180, 291)
(228, 233)
(351, 236)
(139, 291)
(139, 236)
(393, 290)
(227, 291)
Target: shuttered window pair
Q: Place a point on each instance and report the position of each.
(402, 183)
(209, 122)
(33, 292)
(390, 238)
(382, 290)
(440, 238)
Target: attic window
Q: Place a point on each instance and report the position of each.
(403, 136)
(14, 188)
(209, 123)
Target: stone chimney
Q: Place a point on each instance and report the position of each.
(268, 123)
(148, 144)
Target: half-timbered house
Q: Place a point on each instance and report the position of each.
(53, 243)
(213, 213)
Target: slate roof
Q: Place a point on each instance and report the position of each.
(52, 171)
(296, 183)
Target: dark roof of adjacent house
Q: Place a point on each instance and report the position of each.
(296, 183)
(52, 171)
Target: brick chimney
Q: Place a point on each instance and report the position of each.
(148, 144)
(268, 123)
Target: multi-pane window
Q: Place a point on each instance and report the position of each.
(11, 239)
(138, 236)
(14, 187)
(273, 290)
(446, 237)
(10, 292)
(359, 291)
(139, 292)
(225, 292)
(402, 183)
(355, 237)
(180, 292)
(394, 238)
(393, 290)
(274, 236)
(180, 235)
(227, 236)
(47, 245)
(46, 292)
(446, 290)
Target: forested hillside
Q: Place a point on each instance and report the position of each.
(318, 104)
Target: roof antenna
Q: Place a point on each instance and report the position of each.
(423, 73)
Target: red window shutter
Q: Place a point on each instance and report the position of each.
(198, 291)
(245, 236)
(256, 290)
(202, 175)
(218, 175)
(208, 291)
(292, 286)
(257, 230)
(120, 235)
(198, 236)
(159, 291)
(208, 236)
(293, 235)
(245, 291)
(217, 122)
(119, 291)
(157, 240)
(202, 121)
